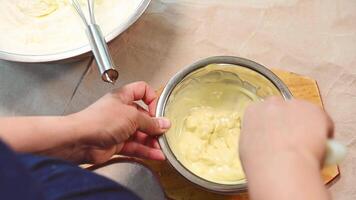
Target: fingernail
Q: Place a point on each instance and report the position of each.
(164, 123)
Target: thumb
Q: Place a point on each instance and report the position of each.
(152, 125)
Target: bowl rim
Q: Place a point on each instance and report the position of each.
(62, 55)
(175, 80)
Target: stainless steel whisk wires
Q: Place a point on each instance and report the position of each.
(97, 42)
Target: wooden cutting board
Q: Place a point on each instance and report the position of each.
(178, 188)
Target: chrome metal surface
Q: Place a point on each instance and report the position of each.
(97, 43)
(175, 80)
(70, 54)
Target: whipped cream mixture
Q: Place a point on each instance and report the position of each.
(37, 27)
(209, 144)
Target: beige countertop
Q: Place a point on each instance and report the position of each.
(309, 37)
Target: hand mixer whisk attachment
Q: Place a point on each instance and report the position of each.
(97, 42)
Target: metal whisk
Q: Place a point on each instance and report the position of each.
(97, 42)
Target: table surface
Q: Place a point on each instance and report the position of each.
(308, 37)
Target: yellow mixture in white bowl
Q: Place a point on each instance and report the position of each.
(38, 27)
(206, 109)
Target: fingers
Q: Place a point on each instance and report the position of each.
(140, 108)
(270, 102)
(135, 149)
(277, 105)
(145, 139)
(151, 125)
(319, 113)
(152, 107)
(136, 91)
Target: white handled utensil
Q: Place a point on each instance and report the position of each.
(335, 152)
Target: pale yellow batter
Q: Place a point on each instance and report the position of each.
(206, 110)
(209, 143)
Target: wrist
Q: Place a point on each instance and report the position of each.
(284, 160)
(284, 175)
(77, 127)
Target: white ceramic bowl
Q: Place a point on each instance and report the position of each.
(76, 51)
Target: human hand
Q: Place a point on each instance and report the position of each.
(115, 124)
(282, 146)
(276, 127)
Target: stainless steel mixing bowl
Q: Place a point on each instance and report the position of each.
(77, 51)
(176, 80)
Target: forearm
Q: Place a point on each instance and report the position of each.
(37, 134)
(286, 177)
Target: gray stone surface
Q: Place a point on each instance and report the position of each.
(135, 177)
(38, 89)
